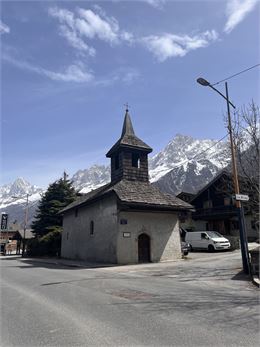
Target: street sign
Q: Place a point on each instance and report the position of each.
(4, 219)
(241, 197)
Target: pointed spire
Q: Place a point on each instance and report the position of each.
(128, 138)
(127, 126)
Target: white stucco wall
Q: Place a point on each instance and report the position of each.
(77, 243)
(163, 229)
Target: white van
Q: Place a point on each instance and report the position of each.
(210, 240)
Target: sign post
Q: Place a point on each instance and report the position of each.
(241, 197)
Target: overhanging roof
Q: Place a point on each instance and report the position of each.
(133, 193)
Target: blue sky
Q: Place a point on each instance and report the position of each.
(68, 68)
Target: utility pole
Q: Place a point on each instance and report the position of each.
(240, 210)
(241, 218)
(25, 218)
(25, 223)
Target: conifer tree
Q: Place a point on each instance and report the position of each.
(58, 195)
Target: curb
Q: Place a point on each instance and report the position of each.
(256, 281)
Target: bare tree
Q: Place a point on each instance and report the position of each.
(246, 138)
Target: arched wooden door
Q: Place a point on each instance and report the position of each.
(144, 249)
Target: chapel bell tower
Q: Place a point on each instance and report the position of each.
(129, 155)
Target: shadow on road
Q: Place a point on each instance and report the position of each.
(52, 263)
(241, 276)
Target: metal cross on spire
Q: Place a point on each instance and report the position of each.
(127, 106)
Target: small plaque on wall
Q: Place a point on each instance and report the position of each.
(123, 221)
(126, 234)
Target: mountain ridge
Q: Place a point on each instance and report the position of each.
(184, 164)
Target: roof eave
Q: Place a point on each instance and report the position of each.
(120, 145)
(87, 202)
(156, 206)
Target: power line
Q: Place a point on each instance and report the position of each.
(207, 149)
(198, 154)
(228, 78)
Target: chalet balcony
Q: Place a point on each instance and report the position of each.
(216, 212)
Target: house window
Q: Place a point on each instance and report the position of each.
(207, 204)
(76, 212)
(227, 201)
(116, 161)
(136, 160)
(92, 228)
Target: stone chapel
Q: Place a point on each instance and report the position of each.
(128, 220)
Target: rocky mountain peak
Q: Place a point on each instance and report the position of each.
(184, 164)
(183, 149)
(20, 187)
(16, 191)
(94, 177)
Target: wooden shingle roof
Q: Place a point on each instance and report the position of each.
(128, 138)
(135, 194)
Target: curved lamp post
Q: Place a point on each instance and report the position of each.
(241, 218)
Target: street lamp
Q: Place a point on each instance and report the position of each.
(25, 219)
(241, 218)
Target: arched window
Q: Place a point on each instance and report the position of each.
(116, 161)
(92, 228)
(136, 160)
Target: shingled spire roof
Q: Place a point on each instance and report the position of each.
(128, 138)
(127, 126)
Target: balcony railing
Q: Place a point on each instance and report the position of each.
(216, 211)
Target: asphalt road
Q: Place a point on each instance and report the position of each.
(202, 301)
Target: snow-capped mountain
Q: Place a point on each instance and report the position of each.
(184, 150)
(15, 193)
(184, 164)
(92, 178)
(13, 199)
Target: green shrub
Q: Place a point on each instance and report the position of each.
(48, 244)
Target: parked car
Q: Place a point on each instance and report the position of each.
(210, 240)
(185, 248)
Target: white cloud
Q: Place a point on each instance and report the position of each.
(155, 3)
(76, 72)
(68, 30)
(4, 29)
(84, 24)
(170, 45)
(75, 41)
(236, 11)
(130, 76)
(92, 25)
(73, 73)
(122, 75)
